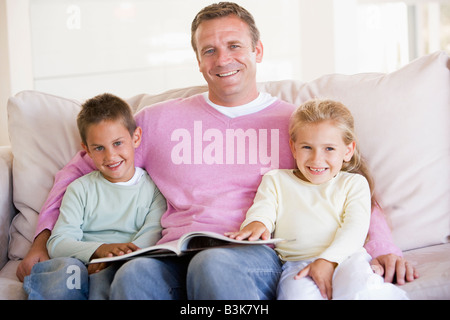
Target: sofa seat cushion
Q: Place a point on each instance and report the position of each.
(10, 287)
(433, 265)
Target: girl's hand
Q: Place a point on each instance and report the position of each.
(321, 271)
(253, 231)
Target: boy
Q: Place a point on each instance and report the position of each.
(111, 211)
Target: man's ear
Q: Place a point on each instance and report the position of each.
(259, 51)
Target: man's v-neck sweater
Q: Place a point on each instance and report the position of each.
(208, 166)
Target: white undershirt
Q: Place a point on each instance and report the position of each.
(263, 101)
(138, 173)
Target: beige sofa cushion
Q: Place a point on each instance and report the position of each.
(6, 207)
(403, 124)
(402, 119)
(44, 138)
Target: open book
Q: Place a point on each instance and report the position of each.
(192, 241)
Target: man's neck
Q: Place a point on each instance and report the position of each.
(262, 101)
(233, 100)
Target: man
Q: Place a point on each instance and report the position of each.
(207, 154)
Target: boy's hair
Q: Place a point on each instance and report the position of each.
(221, 10)
(104, 107)
(315, 111)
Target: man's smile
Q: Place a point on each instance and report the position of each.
(231, 73)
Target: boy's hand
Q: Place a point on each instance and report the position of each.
(109, 250)
(321, 271)
(97, 267)
(253, 231)
(114, 249)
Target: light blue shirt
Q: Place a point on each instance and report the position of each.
(95, 211)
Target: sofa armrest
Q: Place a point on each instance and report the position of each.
(7, 210)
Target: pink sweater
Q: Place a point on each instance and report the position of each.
(207, 165)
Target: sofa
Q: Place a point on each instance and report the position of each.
(402, 121)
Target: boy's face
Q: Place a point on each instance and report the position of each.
(111, 147)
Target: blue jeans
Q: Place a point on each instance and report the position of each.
(239, 273)
(68, 279)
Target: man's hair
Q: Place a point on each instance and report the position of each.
(104, 107)
(220, 10)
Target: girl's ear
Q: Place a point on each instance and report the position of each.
(350, 151)
(292, 146)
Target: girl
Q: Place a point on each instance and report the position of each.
(323, 207)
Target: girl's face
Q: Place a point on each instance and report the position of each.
(320, 151)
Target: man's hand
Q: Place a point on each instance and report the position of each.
(38, 253)
(253, 231)
(394, 268)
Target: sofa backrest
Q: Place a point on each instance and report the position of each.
(402, 121)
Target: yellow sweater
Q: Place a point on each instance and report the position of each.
(328, 221)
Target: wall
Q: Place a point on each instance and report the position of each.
(79, 48)
(5, 88)
(127, 48)
(15, 56)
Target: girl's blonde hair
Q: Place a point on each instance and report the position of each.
(315, 111)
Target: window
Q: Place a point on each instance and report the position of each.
(83, 47)
(393, 33)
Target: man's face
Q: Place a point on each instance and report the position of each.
(227, 60)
